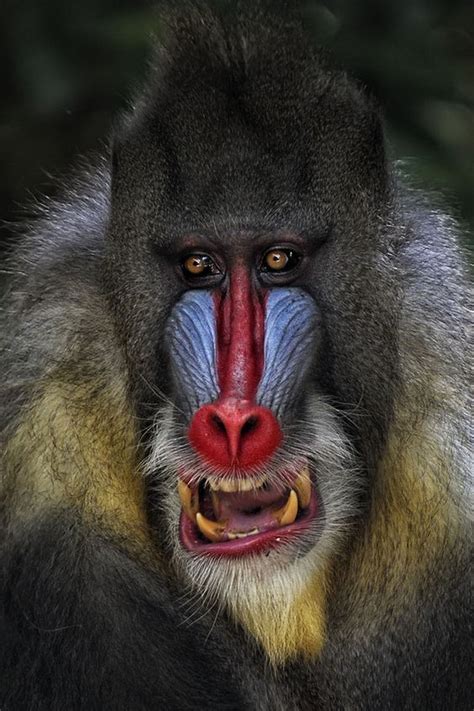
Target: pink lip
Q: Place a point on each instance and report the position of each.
(257, 543)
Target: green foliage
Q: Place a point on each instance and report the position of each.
(67, 68)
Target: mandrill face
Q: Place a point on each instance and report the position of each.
(256, 463)
(240, 353)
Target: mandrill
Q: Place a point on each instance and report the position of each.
(234, 411)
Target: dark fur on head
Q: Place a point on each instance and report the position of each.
(244, 126)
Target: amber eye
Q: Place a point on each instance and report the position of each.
(199, 265)
(280, 260)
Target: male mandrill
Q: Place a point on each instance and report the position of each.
(234, 409)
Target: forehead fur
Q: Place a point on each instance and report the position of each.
(242, 110)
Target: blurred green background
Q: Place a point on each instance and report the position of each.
(67, 68)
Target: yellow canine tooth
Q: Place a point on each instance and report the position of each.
(189, 502)
(213, 530)
(287, 514)
(303, 488)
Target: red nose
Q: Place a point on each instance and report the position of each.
(233, 432)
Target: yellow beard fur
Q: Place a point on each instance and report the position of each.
(285, 624)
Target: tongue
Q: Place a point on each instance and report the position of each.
(248, 510)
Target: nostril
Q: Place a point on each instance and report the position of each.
(249, 425)
(217, 422)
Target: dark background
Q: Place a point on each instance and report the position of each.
(67, 68)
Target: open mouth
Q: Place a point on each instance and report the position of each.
(235, 516)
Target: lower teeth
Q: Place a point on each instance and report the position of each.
(232, 535)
